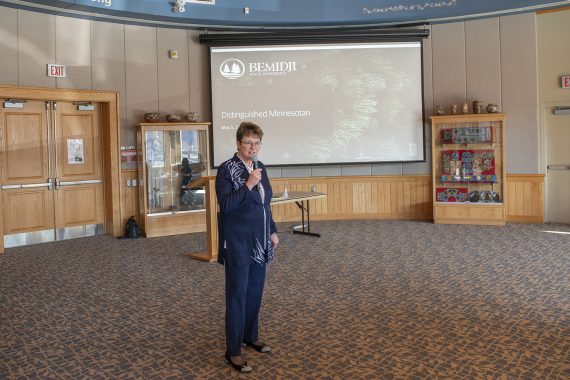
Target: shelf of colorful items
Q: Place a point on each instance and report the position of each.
(469, 202)
(462, 195)
(491, 178)
(469, 135)
(452, 195)
(468, 166)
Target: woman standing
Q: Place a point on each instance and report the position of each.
(247, 239)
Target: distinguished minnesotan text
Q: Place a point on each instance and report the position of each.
(262, 114)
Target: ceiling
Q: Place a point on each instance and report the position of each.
(282, 14)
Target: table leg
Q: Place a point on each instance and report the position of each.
(305, 209)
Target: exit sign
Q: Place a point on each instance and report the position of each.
(565, 81)
(54, 70)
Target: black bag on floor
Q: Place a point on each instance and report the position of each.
(132, 229)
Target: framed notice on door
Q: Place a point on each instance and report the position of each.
(75, 151)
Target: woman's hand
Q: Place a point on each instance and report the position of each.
(274, 239)
(254, 178)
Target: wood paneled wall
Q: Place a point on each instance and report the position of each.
(129, 195)
(525, 198)
(378, 197)
(398, 197)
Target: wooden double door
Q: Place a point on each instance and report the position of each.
(51, 171)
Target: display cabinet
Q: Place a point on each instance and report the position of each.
(174, 156)
(468, 169)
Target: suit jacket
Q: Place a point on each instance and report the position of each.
(245, 223)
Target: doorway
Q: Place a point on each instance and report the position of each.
(107, 103)
(52, 179)
(557, 130)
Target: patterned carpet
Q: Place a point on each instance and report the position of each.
(368, 300)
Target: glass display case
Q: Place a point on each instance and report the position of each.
(174, 156)
(468, 169)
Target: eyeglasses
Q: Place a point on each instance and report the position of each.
(256, 144)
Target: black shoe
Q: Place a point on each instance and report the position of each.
(263, 347)
(245, 367)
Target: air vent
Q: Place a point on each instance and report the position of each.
(209, 2)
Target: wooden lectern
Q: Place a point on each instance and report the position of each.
(211, 204)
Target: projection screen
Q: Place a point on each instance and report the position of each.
(321, 103)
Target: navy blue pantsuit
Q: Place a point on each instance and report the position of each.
(244, 289)
(245, 225)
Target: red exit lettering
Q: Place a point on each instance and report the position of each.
(566, 81)
(56, 70)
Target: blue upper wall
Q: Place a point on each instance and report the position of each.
(278, 14)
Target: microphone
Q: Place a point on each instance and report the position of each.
(256, 166)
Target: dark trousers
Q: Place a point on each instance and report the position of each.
(244, 288)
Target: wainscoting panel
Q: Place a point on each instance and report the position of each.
(373, 197)
(367, 197)
(525, 198)
(398, 197)
(129, 196)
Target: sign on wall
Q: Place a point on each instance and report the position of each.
(75, 151)
(57, 71)
(565, 81)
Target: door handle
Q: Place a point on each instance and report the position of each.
(85, 182)
(28, 186)
(33, 185)
(558, 167)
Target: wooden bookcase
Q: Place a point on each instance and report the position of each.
(468, 169)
